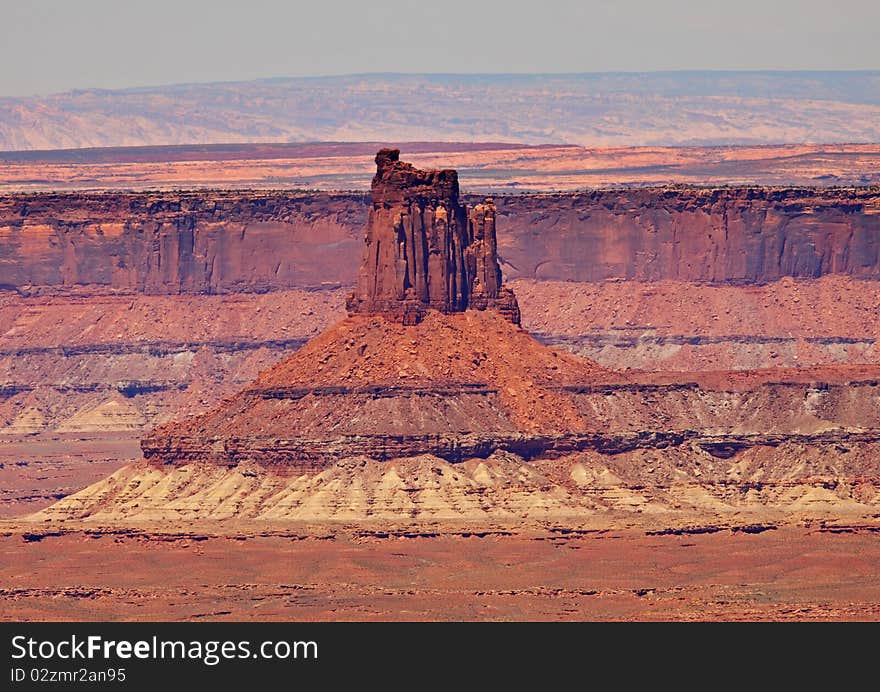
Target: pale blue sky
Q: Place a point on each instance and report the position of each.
(48, 46)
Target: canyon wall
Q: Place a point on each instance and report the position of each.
(154, 302)
(180, 242)
(230, 242)
(718, 236)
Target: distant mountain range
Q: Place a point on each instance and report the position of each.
(601, 109)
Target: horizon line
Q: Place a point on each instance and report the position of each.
(350, 75)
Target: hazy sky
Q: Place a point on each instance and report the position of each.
(48, 46)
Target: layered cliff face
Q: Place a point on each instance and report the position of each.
(465, 418)
(469, 385)
(374, 387)
(457, 366)
(367, 387)
(424, 250)
(222, 242)
(715, 236)
(74, 333)
(174, 243)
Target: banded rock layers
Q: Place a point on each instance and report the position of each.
(192, 243)
(430, 377)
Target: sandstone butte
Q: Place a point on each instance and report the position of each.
(424, 250)
(429, 401)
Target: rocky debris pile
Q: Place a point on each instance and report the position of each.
(375, 387)
(655, 488)
(424, 250)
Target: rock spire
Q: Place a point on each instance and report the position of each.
(424, 250)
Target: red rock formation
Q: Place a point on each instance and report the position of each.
(469, 384)
(482, 259)
(424, 250)
(420, 369)
(413, 371)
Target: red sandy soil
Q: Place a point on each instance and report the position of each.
(481, 166)
(34, 473)
(778, 574)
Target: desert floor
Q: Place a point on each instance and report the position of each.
(809, 572)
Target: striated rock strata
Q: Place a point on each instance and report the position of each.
(234, 242)
(469, 385)
(374, 386)
(654, 488)
(431, 370)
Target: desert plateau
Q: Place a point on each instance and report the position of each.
(440, 399)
